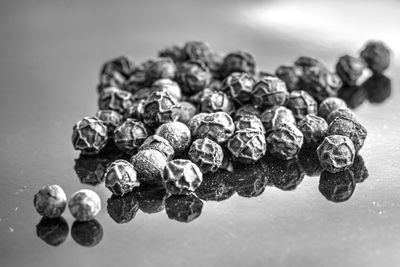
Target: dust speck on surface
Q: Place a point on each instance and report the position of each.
(10, 229)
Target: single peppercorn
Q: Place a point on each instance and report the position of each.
(378, 88)
(137, 78)
(217, 126)
(290, 75)
(285, 175)
(89, 135)
(336, 153)
(149, 164)
(160, 144)
(115, 72)
(238, 62)
(351, 128)
(274, 116)
(337, 187)
(136, 110)
(181, 177)
(285, 141)
(176, 53)
(151, 199)
(122, 209)
(159, 108)
(120, 178)
(50, 201)
(350, 69)
(207, 154)
(314, 129)
(162, 67)
(129, 136)
(193, 76)
(217, 101)
(239, 86)
(168, 86)
(185, 112)
(249, 122)
(247, 145)
(340, 113)
(247, 110)
(177, 134)
(216, 186)
(354, 96)
(84, 205)
(87, 234)
(110, 118)
(301, 103)
(269, 92)
(330, 104)
(377, 56)
(196, 50)
(185, 208)
(53, 231)
(115, 99)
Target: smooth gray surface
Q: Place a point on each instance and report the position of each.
(50, 54)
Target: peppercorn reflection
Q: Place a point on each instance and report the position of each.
(87, 234)
(53, 231)
(337, 187)
(123, 209)
(183, 208)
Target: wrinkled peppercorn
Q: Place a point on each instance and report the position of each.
(185, 112)
(122, 209)
(193, 76)
(249, 122)
(87, 234)
(350, 69)
(378, 88)
(196, 50)
(151, 199)
(217, 101)
(340, 113)
(285, 141)
(110, 118)
(50, 201)
(239, 86)
(290, 75)
(177, 134)
(207, 154)
(121, 178)
(377, 56)
(216, 186)
(115, 72)
(247, 145)
(337, 187)
(184, 208)
(351, 128)
(181, 177)
(89, 135)
(159, 108)
(269, 92)
(330, 104)
(354, 96)
(238, 62)
(301, 103)
(285, 175)
(129, 136)
(160, 144)
(314, 129)
(274, 116)
(115, 99)
(336, 153)
(53, 231)
(162, 67)
(168, 86)
(217, 126)
(136, 110)
(84, 205)
(247, 110)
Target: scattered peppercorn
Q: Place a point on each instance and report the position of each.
(168, 86)
(290, 75)
(314, 129)
(269, 92)
(239, 86)
(87, 234)
(121, 178)
(217, 126)
(193, 76)
(247, 145)
(247, 110)
(181, 177)
(217, 101)
(238, 62)
(336, 153)
(378, 88)
(177, 134)
(351, 128)
(50, 201)
(89, 135)
(330, 104)
(162, 67)
(110, 118)
(285, 141)
(274, 116)
(196, 50)
(115, 99)
(84, 205)
(129, 136)
(340, 113)
(249, 122)
(149, 164)
(185, 112)
(301, 103)
(160, 144)
(207, 154)
(159, 109)
(350, 69)
(377, 56)
(354, 96)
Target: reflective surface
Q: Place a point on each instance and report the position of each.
(276, 213)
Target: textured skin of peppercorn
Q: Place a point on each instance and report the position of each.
(129, 136)
(377, 56)
(184, 208)
(336, 153)
(162, 67)
(53, 231)
(177, 134)
(115, 99)
(160, 144)
(285, 141)
(122, 209)
(168, 86)
(351, 128)
(337, 187)
(207, 154)
(217, 101)
(185, 112)
(87, 234)
(238, 62)
(314, 129)
(89, 135)
(239, 86)
(159, 108)
(110, 118)
(340, 113)
(290, 75)
(329, 105)
(301, 103)
(84, 205)
(193, 76)
(120, 178)
(350, 69)
(149, 165)
(247, 110)
(196, 50)
(269, 92)
(247, 146)
(181, 177)
(274, 116)
(50, 201)
(176, 53)
(249, 122)
(122, 65)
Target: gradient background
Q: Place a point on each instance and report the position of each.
(51, 52)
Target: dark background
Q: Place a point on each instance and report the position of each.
(51, 53)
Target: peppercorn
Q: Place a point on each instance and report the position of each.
(115, 72)
(91, 169)
(350, 69)
(337, 187)
(129, 136)
(359, 170)
(301, 103)
(238, 62)
(217, 126)
(350, 128)
(115, 99)
(136, 110)
(308, 159)
(53, 231)
(314, 129)
(336, 153)
(207, 154)
(197, 98)
(181, 177)
(168, 86)
(247, 145)
(285, 175)
(50, 201)
(330, 104)
(174, 52)
(216, 186)
(160, 144)
(217, 101)
(141, 94)
(149, 165)
(87, 234)
(306, 62)
(285, 141)
(378, 88)
(247, 110)
(249, 180)
(269, 92)
(84, 205)
(354, 96)
(151, 199)
(290, 75)
(185, 112)
(89, 135)
(239, 86)
(122, 209)
(196, 50)
(110, 118)
(340, 113)
(137, 78)
(120, 178)
(162, 67)
(249, 122)
(377, 56)
(159, 108)
(193, 76)
(184, 208)
(274, 116)
(177, 134)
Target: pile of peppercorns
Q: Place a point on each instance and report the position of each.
(191, 112)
